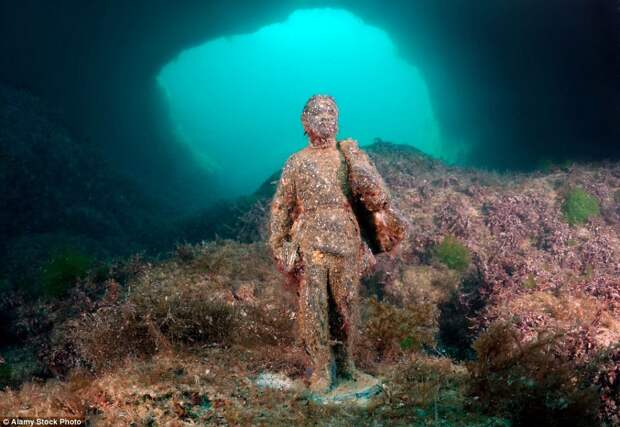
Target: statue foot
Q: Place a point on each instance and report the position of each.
(320, 382)
(352, 372)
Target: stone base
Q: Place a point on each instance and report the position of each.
(366, 390)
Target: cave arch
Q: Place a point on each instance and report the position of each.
(541, 77)
(236, 101)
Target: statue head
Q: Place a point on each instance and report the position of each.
(320, 119)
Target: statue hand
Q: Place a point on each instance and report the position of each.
(290, 256)
(368, 260)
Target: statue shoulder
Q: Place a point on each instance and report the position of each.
(353, 153)
(292, 164)
(349, 144)
(292, 160)
(301, 156)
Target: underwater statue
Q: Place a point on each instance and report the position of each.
(316, 239)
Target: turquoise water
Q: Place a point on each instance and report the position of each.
(236, 101)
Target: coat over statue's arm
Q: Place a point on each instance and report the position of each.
(370, 190)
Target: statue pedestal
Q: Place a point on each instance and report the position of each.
(362, 392)
(365, 391)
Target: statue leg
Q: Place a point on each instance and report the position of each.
(344, 282)
(313, 320)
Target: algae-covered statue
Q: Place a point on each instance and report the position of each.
(326, 195)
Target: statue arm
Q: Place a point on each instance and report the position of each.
(282, 207)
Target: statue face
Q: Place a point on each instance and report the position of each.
(320, 119)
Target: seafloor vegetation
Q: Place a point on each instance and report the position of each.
(499, 309)
(502, 307)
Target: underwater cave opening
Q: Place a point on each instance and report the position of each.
(236, 101)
